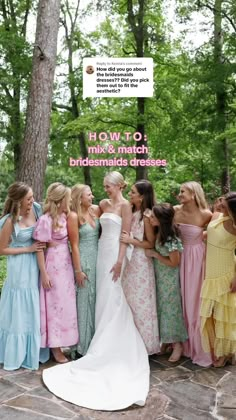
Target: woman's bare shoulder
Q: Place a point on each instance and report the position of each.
(96, 210)
(104, 203)
(177, 207)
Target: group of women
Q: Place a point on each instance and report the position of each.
(141, 289)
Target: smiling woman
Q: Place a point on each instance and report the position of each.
(192, 215)
(19, 305)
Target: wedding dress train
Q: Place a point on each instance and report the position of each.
(114, 373)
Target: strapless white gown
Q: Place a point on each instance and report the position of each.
(114, 373)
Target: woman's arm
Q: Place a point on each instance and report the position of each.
(97, 211)
(148, 234)
(5, 240)
(44, 277)
(126, 215)
(103, 205)
(73, 235)
(172, 260)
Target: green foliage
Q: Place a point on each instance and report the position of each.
(3, 270)
(181, 122)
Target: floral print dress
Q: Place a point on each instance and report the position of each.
(170, 315)
(58, 316)
(138, 283)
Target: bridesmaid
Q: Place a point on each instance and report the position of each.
(218, 304)
(138, 278)
(192, 215)
(86, 236)
(19, 305)
(166, 256)
(59, 327)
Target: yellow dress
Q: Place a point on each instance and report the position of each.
(218, 304)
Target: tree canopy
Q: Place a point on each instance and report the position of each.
(189, 121)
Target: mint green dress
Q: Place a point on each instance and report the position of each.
(169, 308)
(86, 296)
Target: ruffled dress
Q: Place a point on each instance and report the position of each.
(218, 304)
(169, 308)
(19, 306)
(59, 326)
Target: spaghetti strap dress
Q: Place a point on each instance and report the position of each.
(86, 295)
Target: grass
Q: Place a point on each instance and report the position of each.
(3, 270)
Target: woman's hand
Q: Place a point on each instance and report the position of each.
(150, 252)
(116, 270)
(125, 238)
(37, 246)
(46, 281)
(233, 285)
(80, 278)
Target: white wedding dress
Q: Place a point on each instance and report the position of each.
(114, 373)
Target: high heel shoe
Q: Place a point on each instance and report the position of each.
(176, 353)
(58, 356)
(224, 360)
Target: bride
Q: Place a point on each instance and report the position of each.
(114, 373)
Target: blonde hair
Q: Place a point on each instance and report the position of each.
(56, 192)
(76, 196)
(198, 192)
(116, 178)
(15, 194)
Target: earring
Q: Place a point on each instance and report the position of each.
(58, 205)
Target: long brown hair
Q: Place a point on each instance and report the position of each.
(15, 194)
(230, 198)
(167, 230)
(145, 189)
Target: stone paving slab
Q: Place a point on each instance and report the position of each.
(180, 391)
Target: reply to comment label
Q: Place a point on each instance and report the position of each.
(117, 77)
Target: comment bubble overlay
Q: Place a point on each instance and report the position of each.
(117, 77)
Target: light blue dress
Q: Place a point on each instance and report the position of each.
(19, 305)
(86, 296)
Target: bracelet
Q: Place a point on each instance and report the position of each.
(78, 271)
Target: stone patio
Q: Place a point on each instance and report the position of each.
(181, 391)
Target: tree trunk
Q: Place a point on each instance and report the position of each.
(221, 94)
(141, 171)
(138, 30)
(69, 34)
(35, 147)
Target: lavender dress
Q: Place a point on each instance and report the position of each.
(57, 305)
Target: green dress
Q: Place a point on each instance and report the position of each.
(169, 308)
(86, 296)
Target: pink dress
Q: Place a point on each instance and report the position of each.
(192, 270)
(138, 282)
(58, 315)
